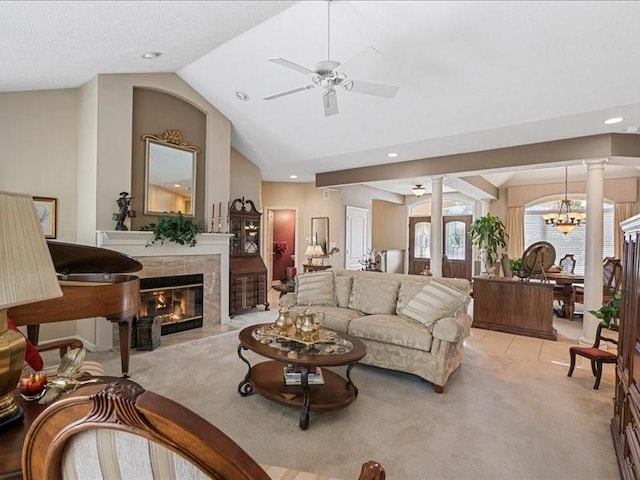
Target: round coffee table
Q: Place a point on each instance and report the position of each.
(267, 378)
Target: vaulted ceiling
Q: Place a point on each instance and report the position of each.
(471, 75)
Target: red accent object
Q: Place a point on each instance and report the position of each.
(279, 247)
(32, 356)
(292, 272)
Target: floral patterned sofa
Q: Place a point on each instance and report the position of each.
(410, 323)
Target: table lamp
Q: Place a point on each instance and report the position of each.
(309, 253)
(27, 275)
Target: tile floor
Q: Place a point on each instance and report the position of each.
(486, 341)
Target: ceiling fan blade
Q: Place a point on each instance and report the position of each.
(330, 101)
(368, 88)
(292, 65)
(289, 92)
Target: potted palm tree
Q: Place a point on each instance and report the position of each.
(488, 234)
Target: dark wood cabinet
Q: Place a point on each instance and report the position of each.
(625, 424)
(247, 272)
(505, 305)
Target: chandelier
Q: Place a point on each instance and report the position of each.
(418, 190)
(565, 220)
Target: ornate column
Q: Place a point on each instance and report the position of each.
(593, 248)
(436, 226)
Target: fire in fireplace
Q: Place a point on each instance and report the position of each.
(176, 301)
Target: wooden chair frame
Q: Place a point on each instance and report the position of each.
(597, 356)
(124, 405)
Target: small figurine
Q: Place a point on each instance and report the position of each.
(124, 211)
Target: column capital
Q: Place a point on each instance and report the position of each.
(437, 178)
(595, 162)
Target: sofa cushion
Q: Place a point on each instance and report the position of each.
(436, 300)
(372, 295)
(335, 318)
(391, 329)
(315, 289)
(343, 290)
(453, 329)
(408, 290)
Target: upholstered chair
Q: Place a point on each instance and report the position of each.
(118, 430)
(595, 354)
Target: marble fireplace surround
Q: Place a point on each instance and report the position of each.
(210, 257)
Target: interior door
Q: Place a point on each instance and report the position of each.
(457, 253)
(357, 232)
(419, 244)
(457, 260)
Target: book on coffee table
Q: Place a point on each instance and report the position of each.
(295, 378)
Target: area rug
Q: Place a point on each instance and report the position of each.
(500, 417)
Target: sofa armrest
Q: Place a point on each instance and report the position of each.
(453, 329)
(289, 300)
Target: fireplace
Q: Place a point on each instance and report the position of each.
(177, 301)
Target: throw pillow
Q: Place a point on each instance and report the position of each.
(408, 290)
(372, 295)
(315, 289)
(343, 291)
(32, 356)
(434, 301)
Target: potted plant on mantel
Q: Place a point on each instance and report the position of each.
(488, 234)
(175, 228)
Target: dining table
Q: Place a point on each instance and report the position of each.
(566, 280)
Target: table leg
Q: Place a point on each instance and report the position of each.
(304, 413)
(244, 387)
(353, 385)
(33, 332)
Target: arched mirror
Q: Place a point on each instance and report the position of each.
(320, 233)
(170, 174)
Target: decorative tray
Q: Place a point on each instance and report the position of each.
(323, 342)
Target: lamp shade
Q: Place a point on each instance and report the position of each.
(317, 251)
(27, 273)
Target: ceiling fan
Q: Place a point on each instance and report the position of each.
(325, 74)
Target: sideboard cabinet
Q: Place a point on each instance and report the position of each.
(247, 272)
(625, 424)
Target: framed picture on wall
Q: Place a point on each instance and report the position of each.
(46, 208)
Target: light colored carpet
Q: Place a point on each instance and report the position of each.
(501, 416)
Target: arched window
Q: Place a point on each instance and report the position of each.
(536, 230)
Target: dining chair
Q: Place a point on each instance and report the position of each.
(563, 292)
(611, 275)
(595, 354)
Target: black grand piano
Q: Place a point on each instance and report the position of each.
(94, 284)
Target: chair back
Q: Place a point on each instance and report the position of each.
(611, 274)
(119, 430)
(568, 263)
(506, 266)
(601, 338)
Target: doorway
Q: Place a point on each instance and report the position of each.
(357, 234)
(456, 247)
(280, 242)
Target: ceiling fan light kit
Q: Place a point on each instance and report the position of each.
(325, 74)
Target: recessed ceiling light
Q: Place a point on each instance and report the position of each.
(633, 129)
(151, 55)
(392, 155)
(177, 185)
(613, 120)
(244, 96)
(293, 176)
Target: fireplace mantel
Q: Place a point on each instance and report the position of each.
(134, 244)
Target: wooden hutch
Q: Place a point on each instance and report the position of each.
(247, 272)
(625, 424)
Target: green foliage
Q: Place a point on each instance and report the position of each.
(608, 311)
(176, 228)
(515, 264)
(488, 234)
